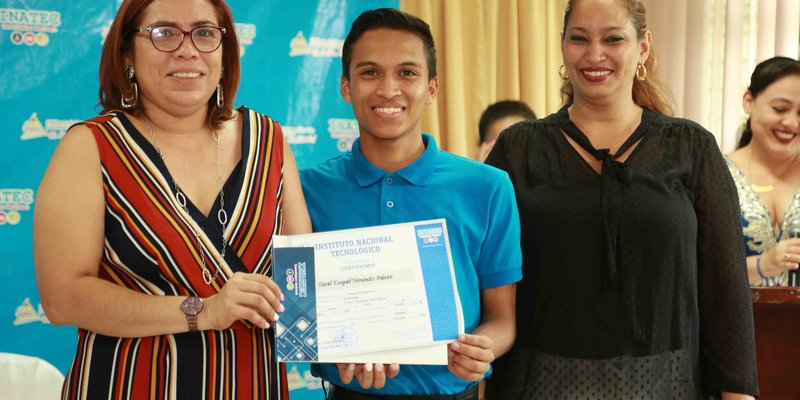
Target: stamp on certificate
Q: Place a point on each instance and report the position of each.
(345, 337)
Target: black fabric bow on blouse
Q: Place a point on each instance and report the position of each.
(622, 251)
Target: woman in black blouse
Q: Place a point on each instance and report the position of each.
(635, 283)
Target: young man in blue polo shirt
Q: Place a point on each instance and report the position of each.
(395, 174)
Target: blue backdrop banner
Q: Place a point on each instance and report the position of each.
(49, 60)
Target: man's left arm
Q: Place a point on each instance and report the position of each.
(498, 266)
(471, 355)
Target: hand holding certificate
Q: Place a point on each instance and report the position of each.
(378, 294)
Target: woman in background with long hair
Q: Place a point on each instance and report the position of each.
(766, 169)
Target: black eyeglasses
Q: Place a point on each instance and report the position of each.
(169, 38)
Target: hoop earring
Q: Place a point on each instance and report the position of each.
(641, 72)
(134, 89)
(220, 96)
(562, 72)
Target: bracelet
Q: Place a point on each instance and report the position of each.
(758, 268)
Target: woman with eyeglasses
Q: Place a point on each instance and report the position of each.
(154, 220)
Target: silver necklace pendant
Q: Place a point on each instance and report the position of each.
(222, 216)
(207, 278)
(180, 198)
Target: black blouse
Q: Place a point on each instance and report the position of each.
(642, 262)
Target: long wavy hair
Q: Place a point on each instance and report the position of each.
(650, 93)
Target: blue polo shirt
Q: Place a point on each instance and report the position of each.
(482, 222)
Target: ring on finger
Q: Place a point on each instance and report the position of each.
(787, 257)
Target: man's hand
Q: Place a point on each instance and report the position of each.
(470, 356)
(368, 375)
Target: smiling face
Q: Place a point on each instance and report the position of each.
(388, 86)
(601, 50)
(775, 117)
(181, 81)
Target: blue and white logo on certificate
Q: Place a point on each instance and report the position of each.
(297, 328)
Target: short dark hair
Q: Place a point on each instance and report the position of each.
(389, 18)
(766, 73)
(502, 109)
(119, 42)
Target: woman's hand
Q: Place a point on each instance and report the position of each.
(785, 256)
(250, 297)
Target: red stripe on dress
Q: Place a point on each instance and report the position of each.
(140, 380)
(262, 126)
(264, 226)
(163, 220)
(213, 362)
(120, 381)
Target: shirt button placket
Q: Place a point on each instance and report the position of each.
(388, 200)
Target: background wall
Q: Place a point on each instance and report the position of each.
(492, 50)
(49, 59)
(707, 50)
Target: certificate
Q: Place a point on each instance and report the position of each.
(378, 294)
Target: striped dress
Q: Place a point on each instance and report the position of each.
(149, 247)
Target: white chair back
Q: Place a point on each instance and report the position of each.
(28, 378)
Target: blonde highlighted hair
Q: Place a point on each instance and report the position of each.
(651, 92)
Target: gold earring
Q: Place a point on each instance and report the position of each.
(641, 72)
(562, 72)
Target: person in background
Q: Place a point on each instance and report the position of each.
(635, 279)
(495, 119)
(395, 173)
(153, 222)
(766, 169)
